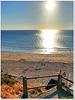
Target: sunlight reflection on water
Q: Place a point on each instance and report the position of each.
(48, 40)
(37, 41)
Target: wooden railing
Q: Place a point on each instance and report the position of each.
(66, 88)
(25, 89)
(67, 79)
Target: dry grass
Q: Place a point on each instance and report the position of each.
(16, 90)
(13, 91)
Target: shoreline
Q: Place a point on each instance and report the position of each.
(57, 52)
(65, 57)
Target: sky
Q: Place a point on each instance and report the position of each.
(33, 15)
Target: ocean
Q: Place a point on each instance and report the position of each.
(37, 41)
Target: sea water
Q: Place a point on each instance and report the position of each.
(37, 41)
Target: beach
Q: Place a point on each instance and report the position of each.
(37, 44)
(21, 65)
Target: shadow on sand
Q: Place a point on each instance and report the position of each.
(53, 93)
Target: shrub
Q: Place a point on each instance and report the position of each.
(69, 97)
(6, 78)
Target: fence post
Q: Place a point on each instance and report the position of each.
(59, 80)
(25, 92)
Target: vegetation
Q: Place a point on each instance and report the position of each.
(12, 89)
(7, 78)
(69, 97)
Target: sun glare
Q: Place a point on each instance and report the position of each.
(48, 40)
(50, 5)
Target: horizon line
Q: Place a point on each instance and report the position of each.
(37, 29)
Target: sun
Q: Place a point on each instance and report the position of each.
(50, 5)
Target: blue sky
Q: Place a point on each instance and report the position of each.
(33, 15)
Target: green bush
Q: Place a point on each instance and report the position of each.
(6, 78)
(69, 97)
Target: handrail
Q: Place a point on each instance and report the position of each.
(42, 86)
(42, 77)
(67, 79)
(59, 83)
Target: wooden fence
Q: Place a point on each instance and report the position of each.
(59, 83)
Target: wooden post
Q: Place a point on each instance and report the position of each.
(59, 80)
(25, 92)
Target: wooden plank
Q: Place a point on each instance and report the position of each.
(41, 86)
(67, 79)
(25, 92)
(42, 77)
(59, 83)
